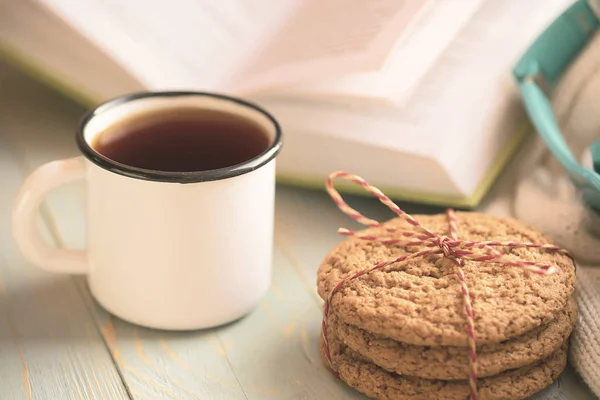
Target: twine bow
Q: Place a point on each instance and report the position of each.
(448, 246)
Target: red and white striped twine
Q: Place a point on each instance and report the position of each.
(432, 243)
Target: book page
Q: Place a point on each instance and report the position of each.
(325, 38)
(434, 31)
(68, 61)
(180, 44)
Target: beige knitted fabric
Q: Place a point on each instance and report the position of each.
(545, 199)
(585, 341)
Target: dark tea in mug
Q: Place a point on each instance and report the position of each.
(182, 140)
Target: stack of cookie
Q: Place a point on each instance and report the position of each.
(400, 331)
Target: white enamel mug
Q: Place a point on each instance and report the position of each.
(166, 250)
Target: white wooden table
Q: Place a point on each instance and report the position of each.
(57, 344)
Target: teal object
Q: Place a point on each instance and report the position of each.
(595, 149)
(537, 73)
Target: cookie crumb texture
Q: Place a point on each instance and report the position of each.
(419, 301)
(380, 384)
(450, 362)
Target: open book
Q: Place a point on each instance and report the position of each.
(414, 95)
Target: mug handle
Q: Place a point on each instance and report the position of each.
(29, 199)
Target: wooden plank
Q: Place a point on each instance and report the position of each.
(274, 351)
(49, 345)
(270, 354)
(167, 365)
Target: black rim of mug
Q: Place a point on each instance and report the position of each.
(176, 177)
